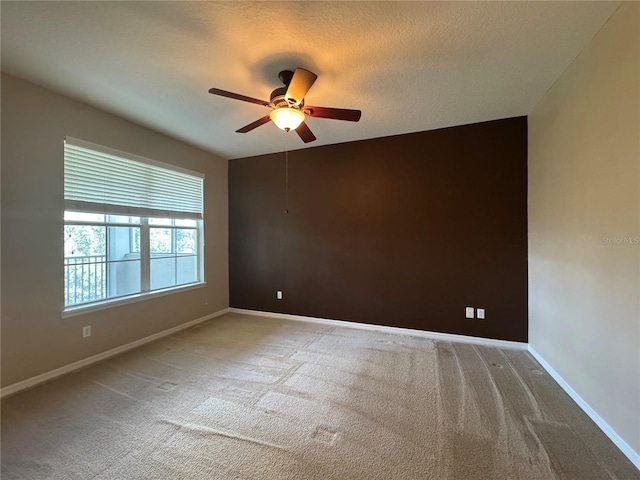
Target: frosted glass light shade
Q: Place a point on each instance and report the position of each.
(287, 118)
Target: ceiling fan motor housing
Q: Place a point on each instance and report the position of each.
(278, 99)
(285, 77)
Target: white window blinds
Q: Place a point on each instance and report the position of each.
(101, 180)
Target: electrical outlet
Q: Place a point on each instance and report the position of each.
(480, 313)
(468, 311)
(86, 331)
(279, 294)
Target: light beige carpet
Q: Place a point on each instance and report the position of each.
(244, 397)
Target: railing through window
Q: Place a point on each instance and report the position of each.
(85, 279)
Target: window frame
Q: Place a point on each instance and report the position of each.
(144, 213)
(145, 262)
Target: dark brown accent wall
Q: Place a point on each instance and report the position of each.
(403, 231)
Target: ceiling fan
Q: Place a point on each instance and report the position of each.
(288, 108)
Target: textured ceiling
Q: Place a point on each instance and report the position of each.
(409, 66)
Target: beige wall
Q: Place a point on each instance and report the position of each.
(35, 338)
(584, 179)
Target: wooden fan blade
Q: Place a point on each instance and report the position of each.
(333, 113)
(237, 96)
(300, 84)
(255, 124)
(305, 134)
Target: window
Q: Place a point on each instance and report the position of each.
(132, 226)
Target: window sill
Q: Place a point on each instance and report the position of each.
(138, 297)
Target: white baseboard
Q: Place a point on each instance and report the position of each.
(50, 375)
(446, 337)
(624, 447)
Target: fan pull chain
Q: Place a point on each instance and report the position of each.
(286, 180)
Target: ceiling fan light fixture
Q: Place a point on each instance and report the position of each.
(287, 118)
